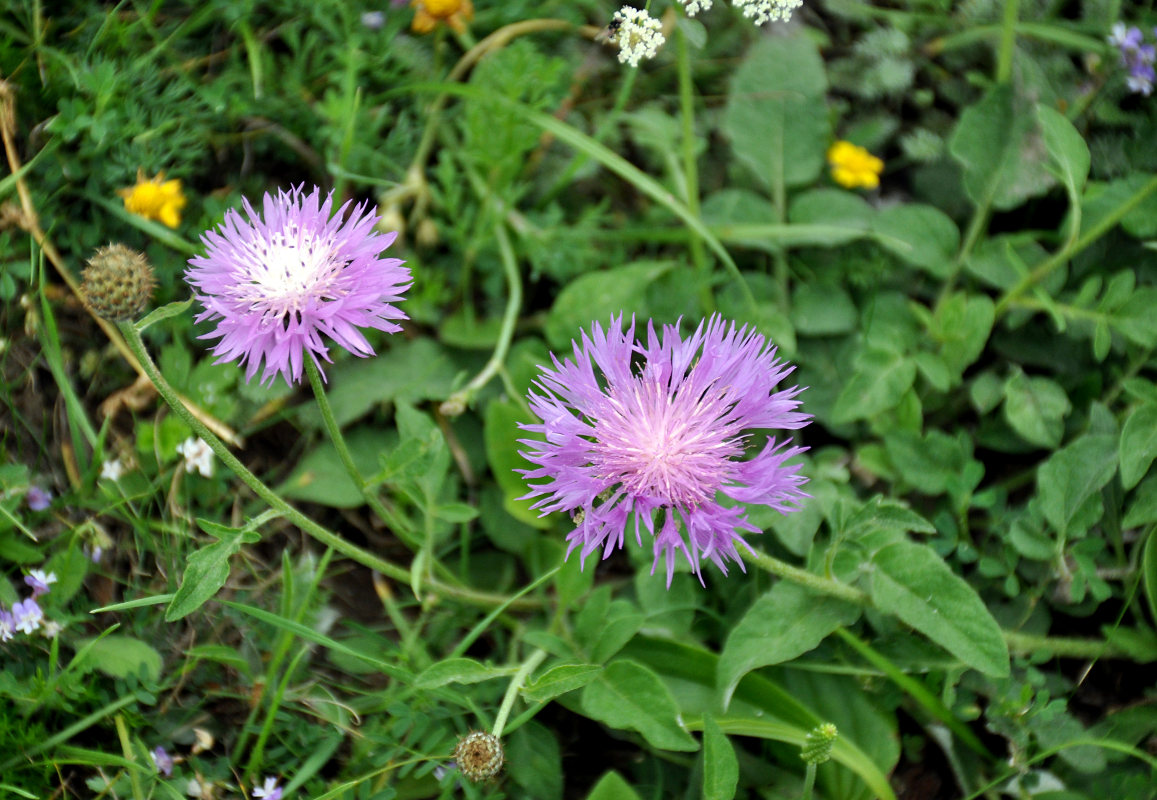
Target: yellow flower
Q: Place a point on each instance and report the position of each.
(155, 198)
(455, 13)
(853, 166)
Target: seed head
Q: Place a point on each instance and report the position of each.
(118, 283)
(479, 755)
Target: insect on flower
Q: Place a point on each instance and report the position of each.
(610, 32)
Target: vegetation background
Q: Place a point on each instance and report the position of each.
(969, 596)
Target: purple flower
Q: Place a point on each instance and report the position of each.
(38, 499)
(27, 616)
(268, 790)
(162, 760)
(7, 625)
(39, 580)
(663, 426)
(280, 280)
(1136, 56)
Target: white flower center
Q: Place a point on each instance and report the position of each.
(286, 270)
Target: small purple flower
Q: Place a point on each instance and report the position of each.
(280, 280)
(268, 790)
(27, 616)
(39, 580)
(664, 426)
(162, 760)
(7, 625)
(38, 499)
(1136, 57)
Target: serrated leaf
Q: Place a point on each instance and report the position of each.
(913, 583)
(1138, 444)
(1036, 408)
(781, 625)
(560, 680)
(630, 696)
(458, 670)
(207, 569)
(720, 767)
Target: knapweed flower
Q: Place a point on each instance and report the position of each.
(761, 11)
(7, 625)
(280, 281)
(638, 34)
(162, 760)
(1136, 56)
(479, 755)
(269, 790)
(853, 166)
(428, 13)
(634, 428)
(693, 7)
(38, 499)
(39, 580)
(198, 456)
(27, 616)
(155, 198)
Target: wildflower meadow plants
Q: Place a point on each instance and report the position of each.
(702, 399)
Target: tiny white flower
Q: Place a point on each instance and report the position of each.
(51, 629)
(197, 455)
(760, 11)
(112, 470)
(638, 34)
(693, 7)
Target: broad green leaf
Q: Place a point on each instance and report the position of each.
(961, 326)
(880, 381)
(560, 680)
(1067, 150)
(920, 235)
(207, 569)
(534, 762)
(501, 435)
(71, 566)
(1130, 200)
(913, 583)
(1001, 261)
(612, 787)
(843, 215)
(776, 118)
(1036, 408)
(320, 477)
(1138, 444)
(936, 463)
(120, 656)
(823, 309)
(1142, 506)
(630, 696)
(1149, 574)
(781, 625)
(997, 144)
(720, 767)
(596, 297)
(459, 670)
(1135, 318)
(1072, 475)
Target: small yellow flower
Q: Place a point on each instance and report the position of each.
(853, 166)
(455, 13)
(155, 198)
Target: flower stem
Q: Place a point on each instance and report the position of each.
(273, 500)
(516, 683)
(809, 580)
(809, 782)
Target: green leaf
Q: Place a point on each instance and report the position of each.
(785, 623)
(207, 569)
(1036, 409)
(1138, 444)
(456, 512)
(630, 696)
(844, 216)
(320, 477)
(720, 767)
(823, 309)
(1072, 475)
(501, 434)
(776, 118)
(560, 680)
(1142, 506)
(880, 381)
(961, 326)
(612, 787)
(534, 762)
(1067, 150)
(1149, 574)
(935, 463)
(913, 583)
(120, 656)
(996, 143)
(458, 670)
(596, 296)
(920, 235)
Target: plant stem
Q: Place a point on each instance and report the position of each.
(690, 166)
(1007, 41)
(516, 683)
(809, 782)
(809, 580)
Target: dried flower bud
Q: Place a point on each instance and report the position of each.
(118, 283)
(479, 755)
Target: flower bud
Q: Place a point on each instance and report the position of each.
(118, 283)
(817, 748)
(479, 755)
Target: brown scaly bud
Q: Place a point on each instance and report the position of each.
(118, 283)
(479, 755)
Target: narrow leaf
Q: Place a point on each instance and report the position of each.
(720, 767)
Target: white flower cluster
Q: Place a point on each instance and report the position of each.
(760, 11)
(197, 455)
(638, 35)
(693, 7)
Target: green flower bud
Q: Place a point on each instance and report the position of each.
(817, 748)
(118, 283)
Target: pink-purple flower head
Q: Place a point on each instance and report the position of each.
(278, 282)
(636, 427)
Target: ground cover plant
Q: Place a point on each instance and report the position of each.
(562, 400)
